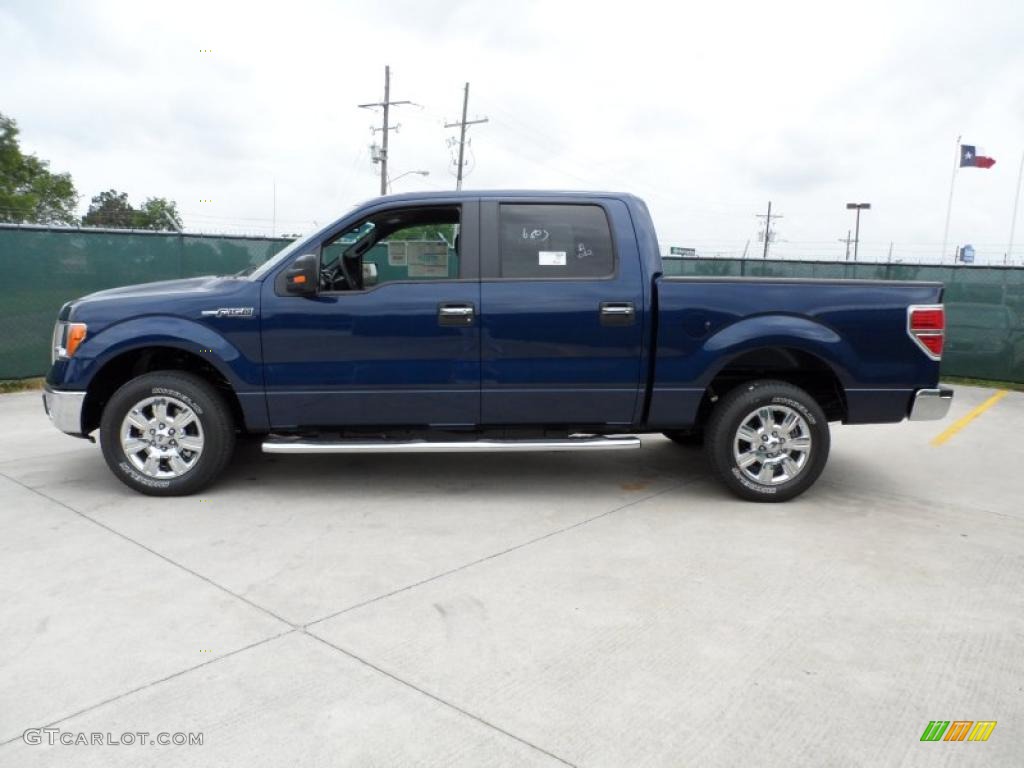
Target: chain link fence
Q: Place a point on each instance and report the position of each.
(41, 268)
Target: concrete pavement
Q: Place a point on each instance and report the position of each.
(593, 609)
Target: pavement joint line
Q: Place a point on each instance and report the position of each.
(905, 498)
(494, 555)
(41, 456)
(437, 698)
(152, 683)
(152, 551)
(963, 421)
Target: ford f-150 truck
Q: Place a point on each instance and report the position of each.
(533, 321)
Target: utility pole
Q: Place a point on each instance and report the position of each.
(768, 226)
(847, 241)
(462, 133)
(386, 105)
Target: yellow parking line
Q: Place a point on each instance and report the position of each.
(965, 420)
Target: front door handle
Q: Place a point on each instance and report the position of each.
(457, 315)
(617, 313)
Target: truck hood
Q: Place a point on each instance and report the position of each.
(210, 283)
(193, 298)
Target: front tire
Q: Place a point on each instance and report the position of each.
(768, 440)
(167, 433)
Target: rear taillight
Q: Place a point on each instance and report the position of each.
(926, 324)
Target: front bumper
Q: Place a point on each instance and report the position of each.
(931, 404)
(64, 409)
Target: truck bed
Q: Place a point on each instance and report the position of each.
(857, 327)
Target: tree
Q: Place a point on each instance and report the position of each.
(110, 209)
(158, 213)
(444, 232)
(29, 191)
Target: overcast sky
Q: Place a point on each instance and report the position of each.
(707, 110)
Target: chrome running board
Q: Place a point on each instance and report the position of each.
(300, 445)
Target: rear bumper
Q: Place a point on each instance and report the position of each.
(64, 409)
(931, 404)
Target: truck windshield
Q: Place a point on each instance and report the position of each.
(259, 271)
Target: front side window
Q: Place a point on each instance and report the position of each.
(555, 241)
(407, 244)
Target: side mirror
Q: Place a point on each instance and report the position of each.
(302, 278)
(369, 274)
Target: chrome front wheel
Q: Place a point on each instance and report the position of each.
(162, 437)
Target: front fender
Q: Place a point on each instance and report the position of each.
(244, 374)
(780, 331)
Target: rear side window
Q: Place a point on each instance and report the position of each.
(552, 241)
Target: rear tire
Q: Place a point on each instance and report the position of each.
(768, 440)
(167, 433)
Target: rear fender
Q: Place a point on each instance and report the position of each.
(776, 331)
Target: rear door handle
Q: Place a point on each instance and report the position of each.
(457, 315)
(617, 313)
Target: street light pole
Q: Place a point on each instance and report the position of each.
(407, 173)
(858, 207)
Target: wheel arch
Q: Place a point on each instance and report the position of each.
(783, 362)
(130, 363)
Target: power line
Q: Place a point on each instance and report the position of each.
(462, 133)
(382, 155)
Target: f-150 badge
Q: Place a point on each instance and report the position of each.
(229, 312)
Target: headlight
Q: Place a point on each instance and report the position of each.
(66, 339)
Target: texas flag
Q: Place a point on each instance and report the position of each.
(971, 158)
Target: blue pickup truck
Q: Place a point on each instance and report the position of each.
(494, 321)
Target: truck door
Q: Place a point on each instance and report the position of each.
(562, 312)
(393, 336)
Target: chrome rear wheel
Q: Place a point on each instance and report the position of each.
(772, 444)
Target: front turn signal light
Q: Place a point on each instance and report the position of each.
(75, 336)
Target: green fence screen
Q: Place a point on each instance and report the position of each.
(42, 268)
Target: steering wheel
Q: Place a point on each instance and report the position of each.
(343, 265)
(328, 277)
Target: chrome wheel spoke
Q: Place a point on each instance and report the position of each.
(789, 422)
(746, 459)
(790, 467)
(152, 464)
(767, 420)
(802, 444)
(190, 443)
(178, 465)
(137, 420)
(133, 445)
(184, 419)
(766, 474)
(160, 412)
(748, 433)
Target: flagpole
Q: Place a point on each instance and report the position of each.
(949, 206)
(1016, 200)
